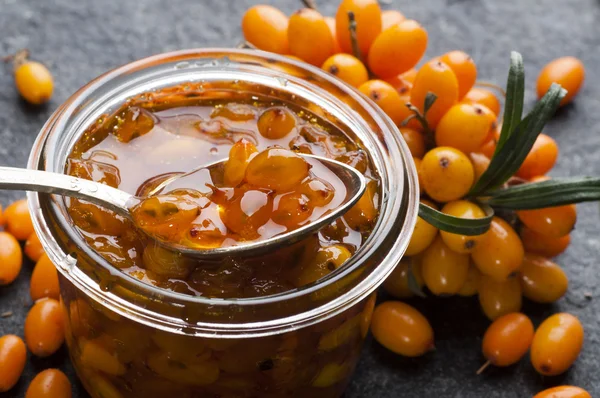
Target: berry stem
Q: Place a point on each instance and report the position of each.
(18, 58)
(312, 4)
(246, 44)
(429, 135)
(353, 38)
(483, 368)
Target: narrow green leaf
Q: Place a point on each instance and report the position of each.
(413, 284)
(456, 225)
(515, 96)
(556, 192)
(507, 161)
(429, 101)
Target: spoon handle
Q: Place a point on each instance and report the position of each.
(61, 184)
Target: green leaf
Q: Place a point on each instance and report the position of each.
(537, 195)
(515, 95)
(456, 225)
(509, 158)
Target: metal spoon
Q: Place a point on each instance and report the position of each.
(121, 202)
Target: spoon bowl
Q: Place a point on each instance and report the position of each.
(122, 202)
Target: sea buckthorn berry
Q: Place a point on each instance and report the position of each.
(415, 141)
(464, 68)
(34, 82)
(566, 71)
(132, 123)
(507, 339)
(397, 49)
(447, 174)
(488, 148)
(235, 168)
(94, 355)
(397, 283)
(165, 263)
(471, 285)
(318, 192)
(402, 329)
(564, 392)
(13, 355)
(388, 99)
(556, 344)
(542, 280)
(330, 21)
(44, 327)
(444, 271)
(49, 383)
(480, 164)
(331, 374)
(391, 17)
(499, 298)
(326, 260)
(2, 218)
(11, 258)
(247, 212)
(368, 24)
(553, 222)
(465, 127)
(33, 247)
(367, 315)
(437, 78)
(540, 159)
(277, 122)
(423, 234)
(401, 85)
(483, 96)
(276, 168)
(500, 253)
(462, 209)
(309, 36)
(44, 280)
(347, 68)
(18, 220)
(410, 75)
(266, 27)
(543, 245)
(364, 211)
(165, 216)
(292, 209)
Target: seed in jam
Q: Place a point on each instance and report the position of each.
(278, 169)
(276, 123)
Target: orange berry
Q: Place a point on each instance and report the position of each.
(410, 75)
(464, 68)
(44, 280)
(397, 283)
(33, 247)
(391, 17)
(266, 27)
(49, 383)
(11, 258)
(437, 78)
(388, 99)
(499, 298)
(13, 355)
(488, 148)
(500, 253)
(276, 122)
(564, 392)
(482, 96)
(34, 82)
(368, 24)
(347, 68)
(569, 72)
(423, 234)
(415, 141)
(234, 170)
(402, 329)
(507, 339)
(397, 49)
(556, 344)
(330, 21)
(540, 159)
(309, 36)
(480, 164)
(553, 222)
(447, 174)
(44, 327)
(444, 271)
(542, 280)
(543, 245)
(401, 85)
(462, 209)
(276, 168)
(364, 211)
(292, 210)
(465, 127)
(18, 220)
(247, 212)
(2, 219)
(471, 285)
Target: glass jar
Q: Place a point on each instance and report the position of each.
(127, 338)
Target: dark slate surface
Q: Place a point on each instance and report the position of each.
(80, 39)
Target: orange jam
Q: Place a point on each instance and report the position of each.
(265, 188)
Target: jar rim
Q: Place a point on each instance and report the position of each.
(44, 153)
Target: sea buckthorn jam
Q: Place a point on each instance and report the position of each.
(264, 188)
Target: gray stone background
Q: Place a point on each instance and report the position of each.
(80, 39)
